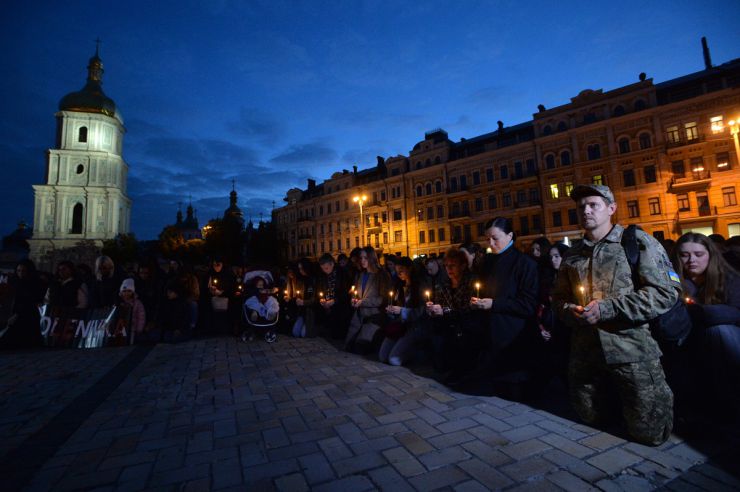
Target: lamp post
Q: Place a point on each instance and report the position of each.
(360, 199)
(734, 131)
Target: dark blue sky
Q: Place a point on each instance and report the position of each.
(270, 93)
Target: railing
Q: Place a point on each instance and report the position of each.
(694, 177)
(527, 203)
(682, 140)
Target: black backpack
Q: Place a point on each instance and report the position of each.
(672, 327)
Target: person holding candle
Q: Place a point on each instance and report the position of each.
(711, 288)
(405, 308)
(371, 288)
(508, 299)
(305, 299)
(335, 309)
(219, 287)
(456, 330)
(612, 354)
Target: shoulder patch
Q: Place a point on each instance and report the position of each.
(674, 276)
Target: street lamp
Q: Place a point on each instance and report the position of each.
(734, 130)
(361, 199)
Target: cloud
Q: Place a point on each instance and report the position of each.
(489, 95)
(305, 154)
(257, 125)
(196, 155)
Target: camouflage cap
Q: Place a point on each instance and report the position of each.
(583, 190)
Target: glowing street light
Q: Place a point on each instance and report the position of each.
(734, 131)
(360, 199)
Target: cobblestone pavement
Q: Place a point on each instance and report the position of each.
(218, 414)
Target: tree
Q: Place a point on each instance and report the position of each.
(122, 249)
(170, 241)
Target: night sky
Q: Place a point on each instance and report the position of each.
(272, 93)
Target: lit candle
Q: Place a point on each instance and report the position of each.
(582, 291)
(390, 298)
(477, 289)
(429, 295)
(298, 294)
(321, 296)
(286, 292)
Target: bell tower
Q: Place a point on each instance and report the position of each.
(84, 197)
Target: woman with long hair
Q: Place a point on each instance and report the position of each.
(368, 300)
(405, 309)
(712, 292)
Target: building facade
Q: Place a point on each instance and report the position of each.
(84, 197)
(668, 150)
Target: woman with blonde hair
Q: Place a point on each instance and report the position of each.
(370, 284)
(104, 290)
(712, 292)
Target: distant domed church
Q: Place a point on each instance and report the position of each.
(188, 227)
(84, 197)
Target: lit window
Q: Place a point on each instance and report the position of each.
(568, 188)
(654, 204)
(692, 132)
(554, 191)
(718, 125)
(672, 134)
(723, 161)
(597, 180)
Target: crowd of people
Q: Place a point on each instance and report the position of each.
(496, 320)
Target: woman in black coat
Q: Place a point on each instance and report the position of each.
(508, 295)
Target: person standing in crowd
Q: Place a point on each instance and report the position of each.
(104, 291)
(435, 274)
(508, 298)
(67, 291)
(475, 254)
(305, 297)
(555, 334)
(458, 337)
(149, 289)
(219, 287)
(405, 310)
(27, 290)
(539, 248)
(612, 351)
(390, 262)
(367, 300)
(334, 298)
(131, 310)
(173, 318)
(712, 291)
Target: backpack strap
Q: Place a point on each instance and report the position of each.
(632, 251)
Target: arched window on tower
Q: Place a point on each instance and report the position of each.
(82, 134)
(77, 219)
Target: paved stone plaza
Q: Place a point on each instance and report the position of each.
(218, 414)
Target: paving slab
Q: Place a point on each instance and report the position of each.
(219, 414)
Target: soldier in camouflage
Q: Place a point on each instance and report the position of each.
(612, 353)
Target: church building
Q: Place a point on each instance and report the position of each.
(84, 197)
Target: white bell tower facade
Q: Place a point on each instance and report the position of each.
(84, 197)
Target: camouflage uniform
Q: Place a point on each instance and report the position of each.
(618, 351)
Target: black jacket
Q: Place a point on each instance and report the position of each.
(510, 279)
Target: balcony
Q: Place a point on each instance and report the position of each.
(682, 140)
(536, 202)
(524, 175)
(304, 219)
(459, 214)
(701, 213)
(695, 180)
